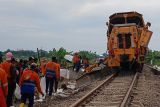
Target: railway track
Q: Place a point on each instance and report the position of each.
(113, 92)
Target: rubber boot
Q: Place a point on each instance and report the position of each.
(21, 105)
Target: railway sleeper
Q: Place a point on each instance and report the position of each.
(115, 88)
(106, 92)
(120, 82)
(113, 99)
(136, 104)
(106, 104)
(118, 85)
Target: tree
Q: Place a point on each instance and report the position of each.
(59, 54)
(153, 56)
(88, 54)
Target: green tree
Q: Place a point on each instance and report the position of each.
(60, 53)
(153, 56)
(88, 54)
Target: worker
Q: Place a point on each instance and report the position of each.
(28, 81)
(57, 75)
(27, 64)
(50, 74)
(3, 88)
(30, 61)
(24, 66)
(7, 64)
(12, 82)
(78, 63)
(9, 68)
(43, 65)
(85, 62)
(18, 69)
(75, 60)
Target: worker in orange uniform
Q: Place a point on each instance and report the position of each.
(9, 67)
(7, 64)
(50, 74)
(3, 88)
(57, 75)
(28, 81)
(75, 60)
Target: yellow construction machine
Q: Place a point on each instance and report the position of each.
(127, 41)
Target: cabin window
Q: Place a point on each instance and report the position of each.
(128, 40)
(138, 21)
(120, 41)
(124, 41)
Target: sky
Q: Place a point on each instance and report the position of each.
(72, 24)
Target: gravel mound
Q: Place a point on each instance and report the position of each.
(147, 91)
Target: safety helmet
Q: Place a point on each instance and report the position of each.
(9, 56)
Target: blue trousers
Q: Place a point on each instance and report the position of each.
(28, 96)
(49, 84)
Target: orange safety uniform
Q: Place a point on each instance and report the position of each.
(75, 59)
(50, 74)
(6, 66)
(3, 88)
(51, 69)
(28, 81)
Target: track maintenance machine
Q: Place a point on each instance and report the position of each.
(128, 37)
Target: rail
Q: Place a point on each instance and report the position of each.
(77, 103)
(124, 102)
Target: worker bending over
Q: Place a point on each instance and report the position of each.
(28, 81)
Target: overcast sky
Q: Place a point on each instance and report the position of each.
(72, 24)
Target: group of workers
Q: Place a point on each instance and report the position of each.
(26, 74)
(78, 62)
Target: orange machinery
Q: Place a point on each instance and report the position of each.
(128, 37)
